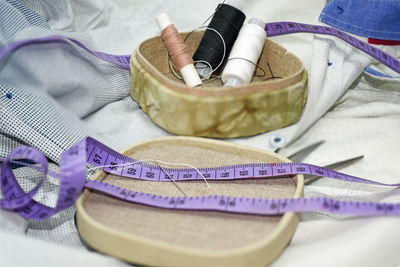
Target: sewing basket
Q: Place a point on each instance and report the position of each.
(211, 110)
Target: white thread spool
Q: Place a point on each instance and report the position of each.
(188, 72)
(244, 55)
(203, 69)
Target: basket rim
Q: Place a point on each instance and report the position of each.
(271, 85)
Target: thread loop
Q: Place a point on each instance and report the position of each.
(227, 21)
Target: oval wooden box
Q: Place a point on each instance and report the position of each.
(214, 111)
(157, 237)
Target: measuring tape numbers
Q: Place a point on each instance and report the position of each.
(280, 28)
(73, 161)
(72, 182)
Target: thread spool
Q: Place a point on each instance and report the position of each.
(244, 55)
(227, 20)
(177, 50)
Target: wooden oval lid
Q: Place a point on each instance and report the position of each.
(160, 237)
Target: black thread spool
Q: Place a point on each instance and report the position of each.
(227, 20)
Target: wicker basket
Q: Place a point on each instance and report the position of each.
(214, 111)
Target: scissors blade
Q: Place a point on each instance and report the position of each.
(301, 154)
(308, 179)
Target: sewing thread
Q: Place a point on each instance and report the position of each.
(156, 161)
(177, 50)
(204, 69)
(244, 55)
(179, 53)
(227, 21)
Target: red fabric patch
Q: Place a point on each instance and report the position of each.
(382, 42)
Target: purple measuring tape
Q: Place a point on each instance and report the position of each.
(72, 181)
(122, 61)
(271, 29)
(73, 161)
(280, 28)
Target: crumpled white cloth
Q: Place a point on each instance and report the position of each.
(355, 113)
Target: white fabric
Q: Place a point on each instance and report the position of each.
(77, 96)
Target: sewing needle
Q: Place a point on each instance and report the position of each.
(177, 186)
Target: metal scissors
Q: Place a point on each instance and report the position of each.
(302, 153)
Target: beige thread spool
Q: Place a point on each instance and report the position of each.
(178, 51)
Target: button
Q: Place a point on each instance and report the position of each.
(278, 141)
(7, 95)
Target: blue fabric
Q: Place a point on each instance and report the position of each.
(377, 73)
(379, 19)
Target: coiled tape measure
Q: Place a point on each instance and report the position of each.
(73, 161)
(72, 182)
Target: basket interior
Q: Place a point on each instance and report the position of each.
(274, 63)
